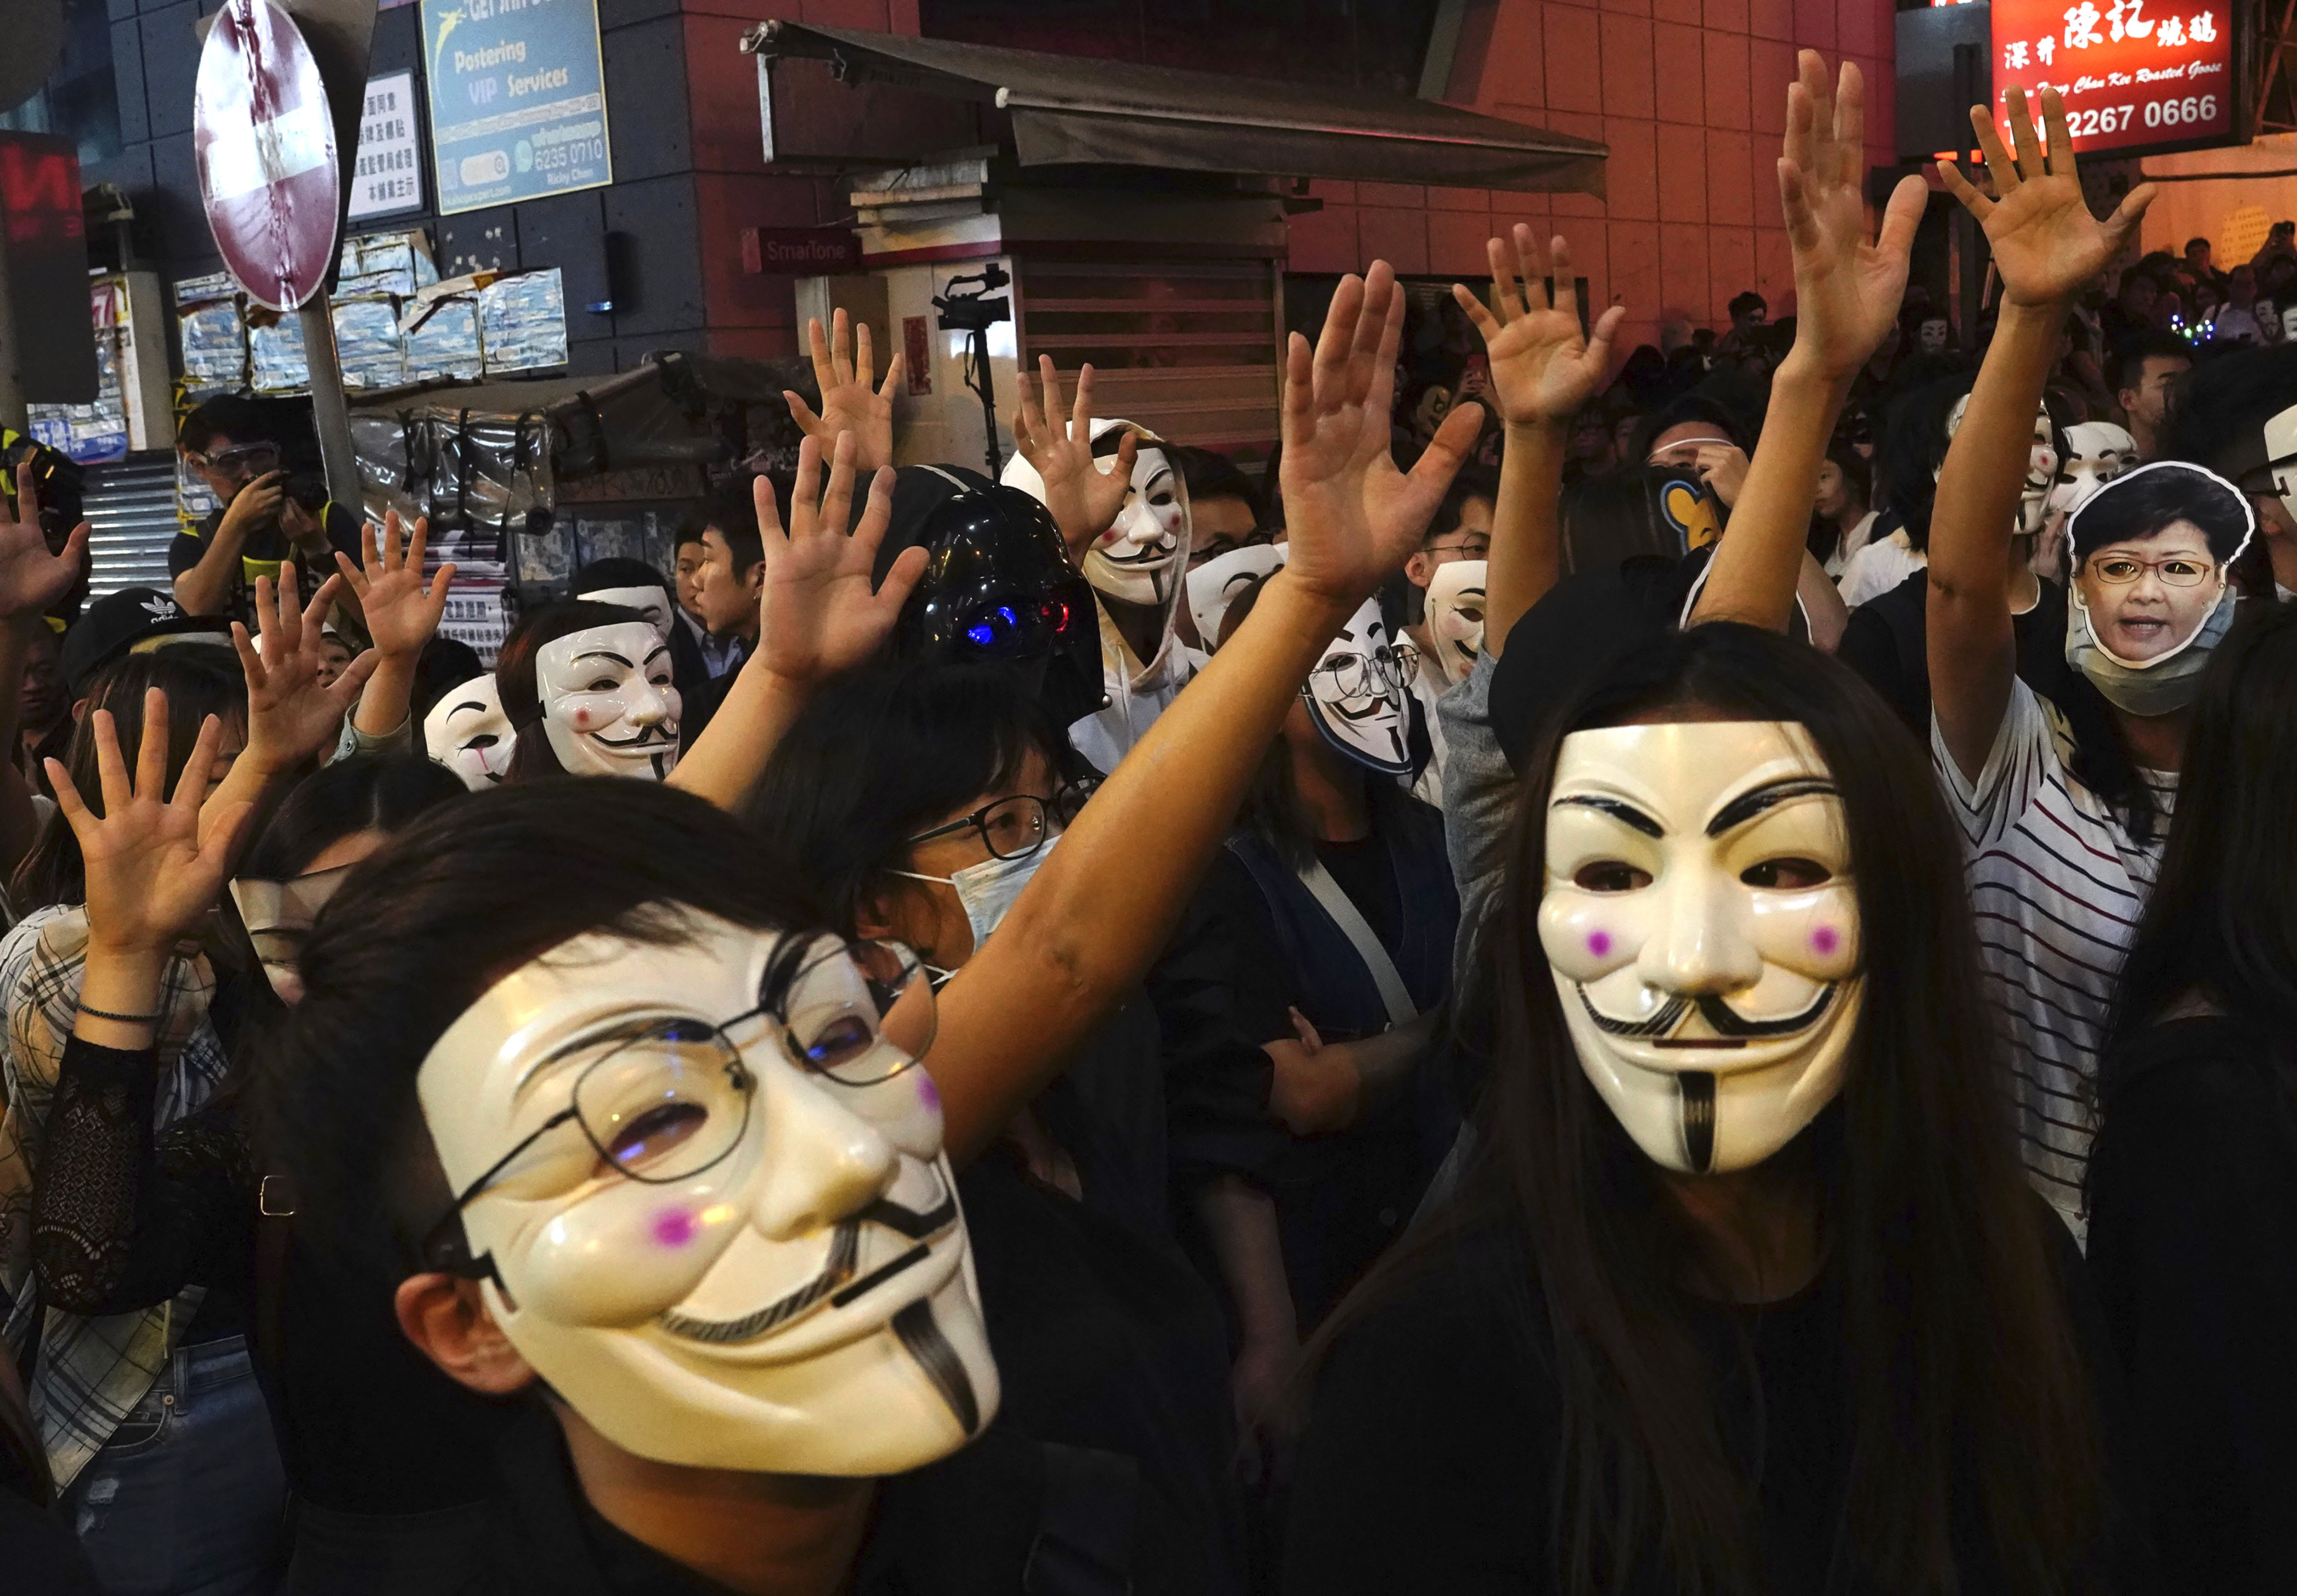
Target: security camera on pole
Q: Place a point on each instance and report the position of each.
(272, 155)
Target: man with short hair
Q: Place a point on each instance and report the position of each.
(716, 656)
(728, 586)
(267, 517)
(2145, 374)
(1749, 311)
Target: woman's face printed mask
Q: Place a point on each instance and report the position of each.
(1455, 616)
(1356, 693)
(650, 602)
(2098, 451)
(1701, 927)
(467, 732)
(608, 706)
(739, 1245)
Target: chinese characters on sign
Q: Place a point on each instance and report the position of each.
(518, 103)
(388, 176)
(2133, 73)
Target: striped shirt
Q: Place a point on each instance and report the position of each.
(2057, 884)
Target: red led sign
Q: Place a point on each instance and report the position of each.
(2133, 73)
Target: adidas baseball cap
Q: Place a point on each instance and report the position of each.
(131, 621)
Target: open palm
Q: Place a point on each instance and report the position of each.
(2046, 243)
(844, 364)
(1084, 498)
(817, 615)
(31, 578)
(388, 583)
(290, 714)
(1542, 369)
(1354, 518)
(1848, 286)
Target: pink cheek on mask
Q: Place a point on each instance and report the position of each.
(1599, 942)
(674, 1226)
(928, 1093)
(581, 720)
(1825, 939)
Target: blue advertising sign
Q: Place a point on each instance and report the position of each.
(518, 101)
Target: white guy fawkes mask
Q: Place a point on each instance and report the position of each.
(278, 916)
(608, 706)
(650, 602)
(1702, 927)
(1933, 334)
(467, 732)
(782, 1283)
(2041, 465)
(1140, 558)
(1355, 693)
(1455, 616)
(2281, 453)
(2098, 452)
(1213, 585)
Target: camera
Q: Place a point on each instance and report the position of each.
(974, 312)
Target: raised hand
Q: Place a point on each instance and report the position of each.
(151, 878)
(1354, 517)
(401, 617)
(2046, 243)
(1543, 370)
(289, 715)
(843, 366)
(31, 578)
(1848, 287)
(1084, 498)
(816, 616)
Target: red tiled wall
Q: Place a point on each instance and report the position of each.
(1690, 95)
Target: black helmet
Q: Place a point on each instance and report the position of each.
(998, 586)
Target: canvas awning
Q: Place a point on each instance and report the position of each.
(1071, 110)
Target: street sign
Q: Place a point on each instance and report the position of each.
(265, 144)
(388, 178)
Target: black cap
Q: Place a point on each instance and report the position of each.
(998, 586)
(117, 623)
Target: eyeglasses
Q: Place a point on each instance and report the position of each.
(668, 1099)
(1473, 548)
(2177, 571)
(1016, 827)
(1258, 537)
(242, 459)
(1388, 669)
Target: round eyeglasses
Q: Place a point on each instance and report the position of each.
(2176, 571)
(1388, 669)
(665, 1099)
(1016, 827)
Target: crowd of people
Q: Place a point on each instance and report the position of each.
(1708, 1009)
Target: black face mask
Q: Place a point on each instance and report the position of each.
(999, 587)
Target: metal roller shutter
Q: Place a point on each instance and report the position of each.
(130, 505)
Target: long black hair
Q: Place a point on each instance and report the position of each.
(881, 754)
(364, 792)
(515, 678)
(2221, 921)
(200, 679)
(468, 893)
(1966, 1391)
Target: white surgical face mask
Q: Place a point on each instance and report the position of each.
(2098, 452)
(1355, 693)
(1213, 585)
(789, 1290)
(279, 915)
(1701, 927)
(608, 706)
(1455, 616)
(988, 891)
(650, 602)
(467, 732)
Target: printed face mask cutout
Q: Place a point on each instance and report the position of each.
(1355, 693)
(2281, 450)
(1701, 927)
(653, 603)
(2150, 593)
(1690, 510)
(278, 916)
(2041, 465)
(467, 732)
(2099, 452)
(1213, 585)
(1455, 616)
(608, 706)
(771, 1274)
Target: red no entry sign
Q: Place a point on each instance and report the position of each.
(266, 147)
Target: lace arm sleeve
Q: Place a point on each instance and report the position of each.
(121, 1220)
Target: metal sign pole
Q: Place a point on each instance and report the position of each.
(331, 411)
(12, 376)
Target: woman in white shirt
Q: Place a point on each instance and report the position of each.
(1841, 520)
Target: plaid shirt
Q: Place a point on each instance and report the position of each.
(92, 1371)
